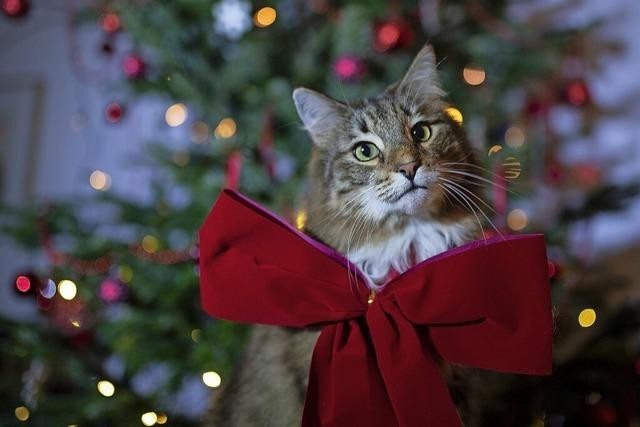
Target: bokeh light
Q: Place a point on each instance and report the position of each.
(211, 379)
(199, 132)
(587, 317)
(176, 114)
(514, 137)
(23, 283)
(99, 180)
(517, 219)
(149, 418)
(162, 419)
(265, 17)
(301, 219)
(512, 167)
(22, 413)
(150, 244)
(494, 149)
(455, 114)
(473, 76)
(125, 273)
(195, 335)
(106, 388)
(67, 289)
(226, 128)
(48, 290)
(109, 22)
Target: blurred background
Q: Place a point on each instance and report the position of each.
(120, 122)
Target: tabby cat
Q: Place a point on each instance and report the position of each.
(392, 181)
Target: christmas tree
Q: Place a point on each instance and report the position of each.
(121, 338)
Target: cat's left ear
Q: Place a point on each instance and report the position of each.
(421, 79)
(319, 113)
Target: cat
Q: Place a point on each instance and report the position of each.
(393, 180)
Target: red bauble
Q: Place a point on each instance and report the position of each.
(349, 68)
(393, 34)
(114, 112)
(537, 107)
(133, 67)
(109, 22)
(15, 8)
(26, 283)
(577, 93)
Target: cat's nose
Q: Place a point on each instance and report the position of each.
(408, 170)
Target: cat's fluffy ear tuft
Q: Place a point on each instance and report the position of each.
(421, 80)
(319, 113)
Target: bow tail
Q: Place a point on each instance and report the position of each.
(419, 396)
(345, 386)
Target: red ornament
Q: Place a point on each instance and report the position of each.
(15, 8)
(537, 107)
(114, 112)
(109, 22)
(349, 68)
(234, 170)
(393, 34)
(26, 283)
(577, 93)
(587, 175)
(379, 347)
(112, 290)
(133, 67)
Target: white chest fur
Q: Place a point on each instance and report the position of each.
(423, 239)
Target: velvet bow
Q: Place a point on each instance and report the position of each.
(485, 305)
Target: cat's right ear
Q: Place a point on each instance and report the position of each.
(319, 113)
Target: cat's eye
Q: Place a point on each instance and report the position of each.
(421, 132)
(365, 151)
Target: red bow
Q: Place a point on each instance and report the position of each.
(485, 304)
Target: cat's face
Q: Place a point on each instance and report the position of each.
(385, 156)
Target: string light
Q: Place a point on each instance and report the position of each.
(22, 413)
(455, 114)
(106, 388)
(176, 114)
(162, 418)
(512, 168)
(67, 289)
(301, 219)
(226, 128)
(494, 149)
(149, 418)
(473, 76)
(514, 137)
(211, 379)
(587, 317)
(517, 219)
(99, 180)
(150, 244)
(265, 17)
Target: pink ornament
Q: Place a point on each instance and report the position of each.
(112, 290)
(133, 67)
(349, 68)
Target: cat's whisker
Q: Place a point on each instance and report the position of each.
(478, 207)
(476, 167)
(469, 192)
(356, 198)
(449, 190)
(478, 177)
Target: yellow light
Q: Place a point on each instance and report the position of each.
(265, 17)
(301, 219)
(106, 388)
(162, 418)
(587, 317)
(176, 115)
(195, 335)
(211, 379)
(75, 323)
(125, 273)
(22, 413)
(67, 289)
(512, 168)
(455, 114)
(514, 137)
(474, 76)
(517, 219)
(226, 128)
(150, 244)
(199, 132)
(99, 180)
(494, 149)
(149, 418)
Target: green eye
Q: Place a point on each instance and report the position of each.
(421, 132)
(365, 151)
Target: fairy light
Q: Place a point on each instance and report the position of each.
(22, 413)
(106, 388)
(49, 289)
(75, 323)
(23, 283)
(99, 180)
(125, 273)
(150, 244)
(67, 289)
(226, 128)
(473, 76)
(301, 219)
(181, 157)
(176, 114)
(162, 419)
(195, 335)
(455, 114)
(149, 418)
(587, 317)
(514, 137)
(494, 149)
(265, 17)
(199, 132)
(512, 168)
(211, 379)
(517, 219)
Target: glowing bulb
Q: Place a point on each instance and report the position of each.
(23, 283)
(514, 137)
(473, 76)
(455, 114)
(106, 388)
(226, 128)
(49, 290)
(22, 413)
(512, 168)
(75, 323)
(265, 17)
(301, 219)
(149, 418)
(517, 219)
(587, 317)
(176, 115)
(494, 149)
(162, 418)
(195, 335)
(67, 289)
(150, 244)
(211, 379)
(99, 180)
(125, 273)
